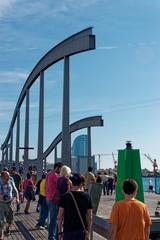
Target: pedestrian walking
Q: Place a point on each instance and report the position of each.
(150, 185)
(105, 182)
(38, 193)
(129, 219)
(89, 178)
(43, 204)
(110, 185)
(7, 192)
(29, 194)
(51, 185)
(98, 178)
(64, 183)
(18, 183)
(76, 212)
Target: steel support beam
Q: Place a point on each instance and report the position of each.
(89, 146)
(55, 154)
(6, 161)
(45, 164)
(80, 124)
(66, 148)
(40, 127)
(17, 140)
(11, 150)
(2, 165)
(26, 136)
(77, 43)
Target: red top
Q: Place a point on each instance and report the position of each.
(51, 183)
(26, 182)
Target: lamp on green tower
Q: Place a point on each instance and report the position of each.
(129, 166)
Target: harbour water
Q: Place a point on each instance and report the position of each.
(154, 182)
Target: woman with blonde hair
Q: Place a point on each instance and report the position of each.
(63, 182)
(65, 171)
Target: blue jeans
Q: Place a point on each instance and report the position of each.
(53, 212)
(104, 187)
(43, 212)
(76, 235)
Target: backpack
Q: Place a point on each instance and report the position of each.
(29, 193)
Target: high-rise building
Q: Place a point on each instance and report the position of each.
(80, 155)
(80, 146)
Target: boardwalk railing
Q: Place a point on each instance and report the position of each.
(101, 226)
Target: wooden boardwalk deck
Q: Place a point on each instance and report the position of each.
(24, 226)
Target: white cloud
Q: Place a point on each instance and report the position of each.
(154, 43)
(64, 6)
(86, 109)
(11, 49)
(5, 6)
(129, 106)
(80, 4)
(107, 47)
(47, 7)
(13, 76)
(141, 43)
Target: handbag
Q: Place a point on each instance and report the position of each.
(75, 203)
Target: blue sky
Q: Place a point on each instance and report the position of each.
(120, 80)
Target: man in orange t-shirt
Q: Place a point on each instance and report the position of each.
(129, 219)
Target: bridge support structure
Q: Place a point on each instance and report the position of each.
(77, 43)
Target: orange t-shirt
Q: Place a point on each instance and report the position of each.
(131, 217)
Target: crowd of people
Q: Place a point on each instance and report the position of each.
(108, 181)
(63, 199)
(61, 194)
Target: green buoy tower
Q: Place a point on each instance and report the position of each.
(129, 166)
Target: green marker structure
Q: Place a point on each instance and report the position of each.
(129, 166)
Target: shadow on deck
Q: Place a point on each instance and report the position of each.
(24, 226)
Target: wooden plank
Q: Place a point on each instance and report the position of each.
(24, 225)
(29, 220)
(24, 231)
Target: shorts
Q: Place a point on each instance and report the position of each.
(6, 213)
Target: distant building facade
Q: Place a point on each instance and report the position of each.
(80, 146)
(80, 155)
